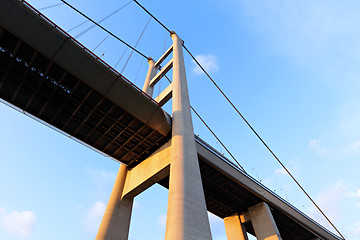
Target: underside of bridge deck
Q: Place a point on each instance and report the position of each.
(41, 87)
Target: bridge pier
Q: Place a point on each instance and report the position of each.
(187, 214)
(263, 222)
(116, 220)
(234, 227)
(261, 219)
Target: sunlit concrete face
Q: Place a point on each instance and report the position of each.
(116, 220)
(187, 215)
(263, 222)
(234, 228)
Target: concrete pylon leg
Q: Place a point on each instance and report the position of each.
(116, 220)
(150, 74)
(187, 217)
(263, 222)
(235, 230)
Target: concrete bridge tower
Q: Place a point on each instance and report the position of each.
(187, 215)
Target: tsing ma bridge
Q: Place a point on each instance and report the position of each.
(48, 74)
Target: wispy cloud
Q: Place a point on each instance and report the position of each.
(350, 119)
(355, 194)
(103, 180)
(293, 167)
(94, 216)
(315, 146)
(101, 176)
(17, 223)
(330, 201)
(320, 36)
(353, 231)
(161, 220)
(351, 148)
(207, 61)
(305, 28)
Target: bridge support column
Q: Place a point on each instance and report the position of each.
(150, 74)
(235, 230)
(187, 217)
(263, 222)
(116, 220)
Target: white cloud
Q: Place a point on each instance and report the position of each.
(280, 171)
(18, 223)
(207, 61)
(355, 194)
(266, 181)
(315, 146)
(94, 216)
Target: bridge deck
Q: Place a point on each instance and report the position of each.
(48, 74)
(59, 81)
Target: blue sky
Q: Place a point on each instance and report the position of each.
(291, 67)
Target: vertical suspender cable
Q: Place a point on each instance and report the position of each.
(212, 132)
(55, 5)
(100, 43)
(113, 35)
(137, 74)
(137, 42)
(100, 21)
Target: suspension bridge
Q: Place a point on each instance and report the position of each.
(48, 74)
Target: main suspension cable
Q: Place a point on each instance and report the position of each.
(152, 16)
(80, 24)
(207, 126)
(263, 142)
(122, 55)
(116, 37)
